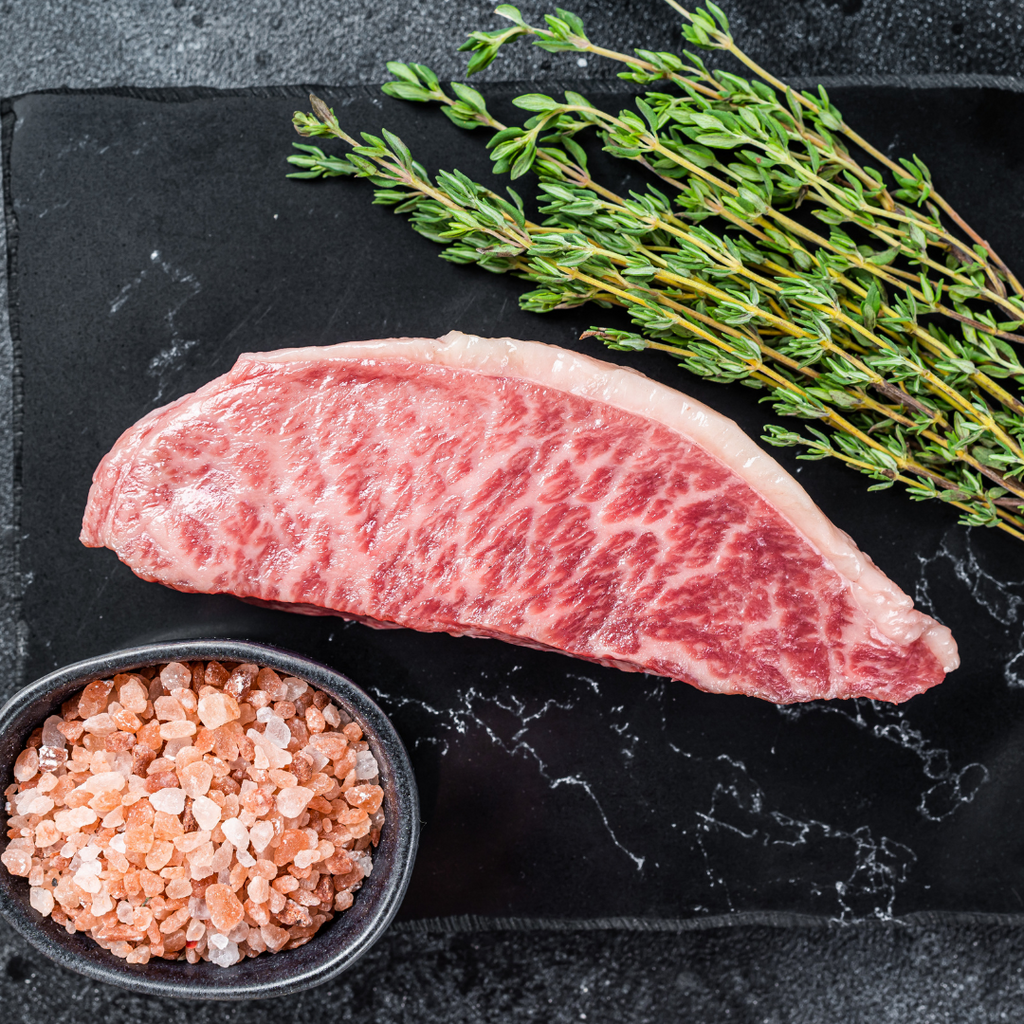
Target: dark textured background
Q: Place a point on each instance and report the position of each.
(755, 974)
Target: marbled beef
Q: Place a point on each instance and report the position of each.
(509, 489)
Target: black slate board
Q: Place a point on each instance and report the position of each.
(156, 238)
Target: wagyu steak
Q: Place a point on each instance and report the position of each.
(509, 489)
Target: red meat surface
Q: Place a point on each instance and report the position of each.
(418, 486)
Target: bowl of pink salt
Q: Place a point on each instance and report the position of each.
(206, 819)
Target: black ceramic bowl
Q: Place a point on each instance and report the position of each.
(335, 947)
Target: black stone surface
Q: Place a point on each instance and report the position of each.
(199, 247)
(871, 973)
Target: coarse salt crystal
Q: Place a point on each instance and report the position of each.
(132, 697)
(258, 890)
(319, 759)
(331, 716)
(196, 778)
(169, 800)
(100, 725)
(105, 782)
(295, 688)
(277, 732)
(273, 756)
(206, 812)
(226, 957)
(89, 881)
(46, 834)
(221, 860)
(24, 798)
(226, 910)
(304, 858)
(52, 736)
(177, 730)
(17, 861)
(168, 709)
(26, 765)
(41, 805)
(174, 674)
(41, 900)
(217, 709)
(260, 835)
(74, 819)
(362, 861)
(236, 833)
(366, 765)
(293, 801)
(102, 904)
(198, 909)
(172, 747)
(192, 840)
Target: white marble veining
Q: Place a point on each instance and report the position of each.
(168, 359)
(465, 713)
(869, 869)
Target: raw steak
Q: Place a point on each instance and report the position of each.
(510, 489)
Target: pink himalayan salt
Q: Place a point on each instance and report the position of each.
(258, 890)
(225, 909)
(272, 755)
(195, 778)
(46, 834)
(41, 900)
(236, 833)
(217, 709)
(192, 840)
(94, 698)
(168, 709)
(314, 719)
(206, 812)
(17, 861)
(168, 800)
(51, 735)
(260, 835)
(82, 887)
(104, 782)
(177, 730)
(186, 698)
(331, 744)
(74, 819)
(277, 732)
(222, 857)
(293, 801)
(132, 697)
(274, 937)
(271, 684)
(159, 854)
(174, 674)
(26, 765)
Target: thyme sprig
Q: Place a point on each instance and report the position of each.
(886, 326)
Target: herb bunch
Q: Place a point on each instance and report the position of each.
(764, 251)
